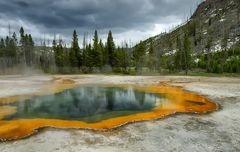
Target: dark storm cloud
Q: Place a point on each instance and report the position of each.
(22, 4)
(118, 15)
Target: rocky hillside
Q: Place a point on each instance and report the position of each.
(217, 21)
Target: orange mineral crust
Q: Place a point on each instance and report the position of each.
(181, 102)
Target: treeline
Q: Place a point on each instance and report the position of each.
(93, 57)
(183, 59)
(191, 48)
(99, 57)
(220, 62)
(14, 52)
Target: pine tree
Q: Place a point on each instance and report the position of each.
(12, 47)
(178, 59)
(110, 49)
(125, 57)
(31, 42)
(31, 49)
(84, 56)
(27, 50)
(7, 49)
(102, 51)
(59, 55)
(10, 50)
(84, 51)
(21, 31)
(54, 44)
(22, 40)
(27, 47)
(97, 54)
(14, 37)
(66, 61)
(75, 55)
(2, 47)
(7, 41)
(152, 59)
(138, 56)
(89, 57)
(95, 40)
(117, 57)
(121, 59)
(2, 44)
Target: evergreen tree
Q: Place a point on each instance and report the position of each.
(138, 56)
(178, 59)
(2, 47)
(31, 49)
(5, 50)
(66, 61)
(7, 41)
(126, 57)
(31, 42)
(22, 40)
(152, 58)
(110, 49)
(2, 44)
(89, 57)
(54, 44)
(121, 59)
(84, 52)
(21, 31)
(103, 52)
(14, 37)
(28, 51)
(12, 47)
(97, 54)
(59, 56)
(75, 55)
(84, 56)
(27, 47)
(117, 57)
(10, 50)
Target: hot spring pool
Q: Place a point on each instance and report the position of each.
(97, 107)
(89, 103)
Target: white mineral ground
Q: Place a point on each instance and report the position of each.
(217, 131)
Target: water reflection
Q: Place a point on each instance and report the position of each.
(86, 103)
(97, 107)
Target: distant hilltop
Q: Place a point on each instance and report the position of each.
(213, 19)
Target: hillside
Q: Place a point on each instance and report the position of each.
(215, 20)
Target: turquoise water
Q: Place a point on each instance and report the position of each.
(86, 103)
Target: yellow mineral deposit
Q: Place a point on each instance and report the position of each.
(181, 102)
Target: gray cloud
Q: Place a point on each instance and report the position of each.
(120, 16)
(22, 4)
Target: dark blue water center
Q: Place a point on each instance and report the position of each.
(86, 103)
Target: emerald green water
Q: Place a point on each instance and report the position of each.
(86, 103)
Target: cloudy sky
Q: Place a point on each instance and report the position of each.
(129, 20)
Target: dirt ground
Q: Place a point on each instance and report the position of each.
(215, 132)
